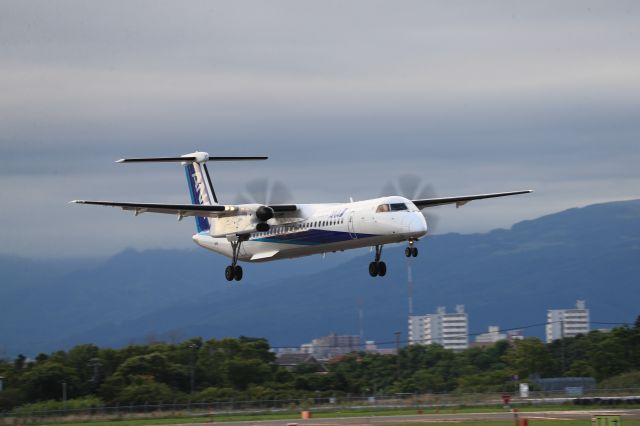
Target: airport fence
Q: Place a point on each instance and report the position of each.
(422, 403)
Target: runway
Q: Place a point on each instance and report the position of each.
(440, 418)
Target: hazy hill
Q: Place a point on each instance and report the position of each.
(504, 277)
(44, 301)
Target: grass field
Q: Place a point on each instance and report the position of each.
(532, 422)
(292, 416)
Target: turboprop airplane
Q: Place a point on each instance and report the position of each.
(264, 232)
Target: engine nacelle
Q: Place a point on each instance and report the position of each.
(262, 227)
(264, 213)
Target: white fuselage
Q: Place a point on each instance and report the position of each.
(321, 228)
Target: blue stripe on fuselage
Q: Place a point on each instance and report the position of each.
(312, 237)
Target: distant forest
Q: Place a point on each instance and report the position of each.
(244, 369)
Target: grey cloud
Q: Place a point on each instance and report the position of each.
(474, 96)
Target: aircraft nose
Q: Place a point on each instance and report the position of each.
(418, 224)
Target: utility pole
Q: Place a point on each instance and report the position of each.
(193, 347)
(361, 320)
(397, 334)
(562, 360)
(95, 364)
(410, 285)
(64, 395)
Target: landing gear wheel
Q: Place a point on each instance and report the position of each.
(377, 268)
(373, 269)
(237, 273)
(229, 273)
(382, 269)
(408, 252)
(234, 271)
(414, 251)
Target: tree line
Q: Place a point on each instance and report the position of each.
(244, 369)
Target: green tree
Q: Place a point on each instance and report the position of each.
(44, 381)
(243, 372)
(529, 356)
(82, 358)
(144, 392)
(157, 366)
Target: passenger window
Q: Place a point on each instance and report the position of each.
(382, 208)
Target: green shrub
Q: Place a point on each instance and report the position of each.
(622, 381)
(54, 405)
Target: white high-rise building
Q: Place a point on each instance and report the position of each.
(567, 322)
(450, 330)
(416, 329)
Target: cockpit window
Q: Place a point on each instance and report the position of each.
(382, 208)
(398, 206)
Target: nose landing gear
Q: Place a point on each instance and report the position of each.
(378, 268)
(411, 251)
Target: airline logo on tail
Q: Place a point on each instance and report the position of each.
(199, 193)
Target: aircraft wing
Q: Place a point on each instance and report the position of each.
(461, 201)
(183, 210)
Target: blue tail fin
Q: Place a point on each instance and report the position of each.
(201, 191)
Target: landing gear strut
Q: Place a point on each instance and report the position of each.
(234, 271)
(411, 251)
(378, 268)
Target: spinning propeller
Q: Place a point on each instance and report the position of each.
(412, 187)
(264, 191)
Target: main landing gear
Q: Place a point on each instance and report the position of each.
(234, 271)
(378, 268)
(411, 251)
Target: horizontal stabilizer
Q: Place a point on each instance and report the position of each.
(199, 157)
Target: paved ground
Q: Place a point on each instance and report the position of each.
(441, 418)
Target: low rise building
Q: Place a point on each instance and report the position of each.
(493, 335)
(332, 345)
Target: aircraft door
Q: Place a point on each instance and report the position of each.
(350, 227)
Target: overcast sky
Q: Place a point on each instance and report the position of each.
(342, 95)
